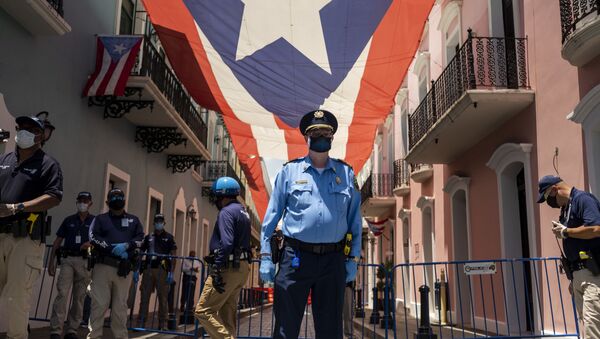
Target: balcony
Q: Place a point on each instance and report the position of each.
(580, 23)
(482, 87)
(421, 172)
(401, 178)
(377, 196)
(174, 121)
(39, 17)
(212, 170)
(256, 225)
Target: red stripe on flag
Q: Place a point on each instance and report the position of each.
(396, 39)
(122, 82)
(92, 79)
(177, 31)
(294, 140)
(109, 74)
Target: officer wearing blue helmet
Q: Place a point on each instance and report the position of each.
(320, 207)
(228, 262)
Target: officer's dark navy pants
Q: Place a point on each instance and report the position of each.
(325, 275)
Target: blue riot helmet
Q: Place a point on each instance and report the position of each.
(225, 187)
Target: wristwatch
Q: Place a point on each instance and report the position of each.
(20, 207)
(355, 259)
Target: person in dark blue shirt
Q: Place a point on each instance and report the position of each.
(74, 274)
(157, 272)
(228, 262)
(579, 227)
(31, 183)
(115, 235)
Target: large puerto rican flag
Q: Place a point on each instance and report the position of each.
(264, 63)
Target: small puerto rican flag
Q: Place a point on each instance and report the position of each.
(115, 57)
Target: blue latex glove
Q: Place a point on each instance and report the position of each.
(119, 249)
(170, 278)
(136, 276)
(267, 270)
(351, 269)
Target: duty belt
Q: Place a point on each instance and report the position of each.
(108, 260)
(243, 256)
(72, 253)
(320, 248)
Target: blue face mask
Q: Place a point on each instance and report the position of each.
(159, 226)
(319, 144)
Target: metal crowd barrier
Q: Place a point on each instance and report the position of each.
(506, 298)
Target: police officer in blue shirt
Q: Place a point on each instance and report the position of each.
(579, 227)
(228, 262)
(115, 235)
(74, 273)
(320, 207)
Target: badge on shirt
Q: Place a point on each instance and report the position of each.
(338, 180)
(78, 239)
(124, 222)
(301, 182)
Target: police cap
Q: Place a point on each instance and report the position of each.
(84, 195)
(318, 119)
(35, 121)
(159, 217)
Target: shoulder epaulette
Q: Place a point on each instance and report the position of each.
(343, 162)
(293, 160)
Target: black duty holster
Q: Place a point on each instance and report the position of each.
(565, 264)
(276, 246)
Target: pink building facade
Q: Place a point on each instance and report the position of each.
(500, 93)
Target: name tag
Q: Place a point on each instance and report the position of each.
(301, 182)
(78, 239)
(124, 222)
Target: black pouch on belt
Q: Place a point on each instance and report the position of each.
(237, 253)
(276, 246)
(593, 263)
(124, 268)
(566, 266)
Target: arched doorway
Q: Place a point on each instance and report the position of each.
(458, 189)
(428, 242)
(517, 231)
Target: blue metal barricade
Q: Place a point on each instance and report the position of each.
(506, 298)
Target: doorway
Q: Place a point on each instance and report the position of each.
(460, 234)
(428, 243)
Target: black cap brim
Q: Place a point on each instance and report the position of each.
(29, 120)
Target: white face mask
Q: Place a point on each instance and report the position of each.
(82, 207)
(25, 139)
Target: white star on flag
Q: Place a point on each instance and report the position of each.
(265, 21)
(119, 48)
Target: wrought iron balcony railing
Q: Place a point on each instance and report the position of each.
(377, 185)
(212, 170)
(573, 11)
(154, 66)
(401, 173)
(480, 63)
(58, 6)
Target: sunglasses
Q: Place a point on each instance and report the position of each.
(320, 132)
(30, 129)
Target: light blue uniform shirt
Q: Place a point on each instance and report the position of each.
(316, 208)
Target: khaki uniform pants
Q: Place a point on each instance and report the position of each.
(586, 288)
(21, 261)
(73, 274)
(216, 311)
(154, 278)
(107, 288)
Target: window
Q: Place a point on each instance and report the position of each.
(127, 15)
(450, 27)
(116, 178)
(421, 70)
(155, 206)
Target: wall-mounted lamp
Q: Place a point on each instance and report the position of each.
(191, 212)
